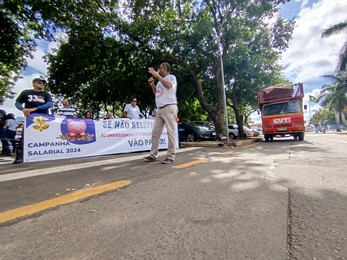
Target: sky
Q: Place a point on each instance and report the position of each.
(307, 59)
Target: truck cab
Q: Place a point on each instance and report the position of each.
(282, 111)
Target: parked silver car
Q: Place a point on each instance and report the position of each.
(251, 132)
(233, 131)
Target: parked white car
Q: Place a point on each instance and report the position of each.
(250, 132)
(233, 131)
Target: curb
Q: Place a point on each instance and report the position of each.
(235, 143)
(246, 141)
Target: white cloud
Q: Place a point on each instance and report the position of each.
(38, 62)
(309, 57)
(304, 3)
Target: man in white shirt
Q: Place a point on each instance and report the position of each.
(66, 109)
(131, 110)
(166, 102)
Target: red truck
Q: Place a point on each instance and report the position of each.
(282, 111)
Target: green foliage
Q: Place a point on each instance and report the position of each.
(110, 45)
(192, 111)
(323, 117)
(334, 29)
(101, 68)
(13, 50)
(23, 22)
(100, 71)
(334, 96)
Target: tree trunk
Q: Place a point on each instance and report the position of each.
(216, 113)
(337, 117)
(238, 116)
(343, 118)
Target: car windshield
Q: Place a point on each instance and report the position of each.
(282, 108)
(198, 126)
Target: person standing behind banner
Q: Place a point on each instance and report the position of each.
(166, 102)
(3, 135)
(34, 100)
(131, 110)
(11, 127)
(66, 109)
(88, 115)
(108, 115)
(151, 114)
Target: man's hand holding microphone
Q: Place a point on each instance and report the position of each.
(154, 73)
(151, 79)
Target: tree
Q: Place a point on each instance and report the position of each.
(23, 22)
(194, 35)
(334, 96)
(323, 117)
(334, 29)
(99, 72)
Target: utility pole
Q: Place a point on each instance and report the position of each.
(222, 74)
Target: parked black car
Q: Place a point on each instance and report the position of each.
(191, 132)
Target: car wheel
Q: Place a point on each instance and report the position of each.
(191, 137)
(232, 136)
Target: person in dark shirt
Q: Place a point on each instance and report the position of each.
(32, 100)
(35, 100)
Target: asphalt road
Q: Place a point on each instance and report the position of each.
(276, 200)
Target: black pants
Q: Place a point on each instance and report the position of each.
(19, 149)
(11, 135)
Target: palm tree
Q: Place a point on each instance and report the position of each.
(334, 29)
(334, 96)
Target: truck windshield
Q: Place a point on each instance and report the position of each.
(282, 108)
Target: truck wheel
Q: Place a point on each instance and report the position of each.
(267, 137)
(295, 136)
(301, 136)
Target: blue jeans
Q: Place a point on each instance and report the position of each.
(4, 142)
(11, 136)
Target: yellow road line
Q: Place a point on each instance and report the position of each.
(249, 145)
(65, 199)
(192, 163)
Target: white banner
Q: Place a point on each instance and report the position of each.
(47, 137)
